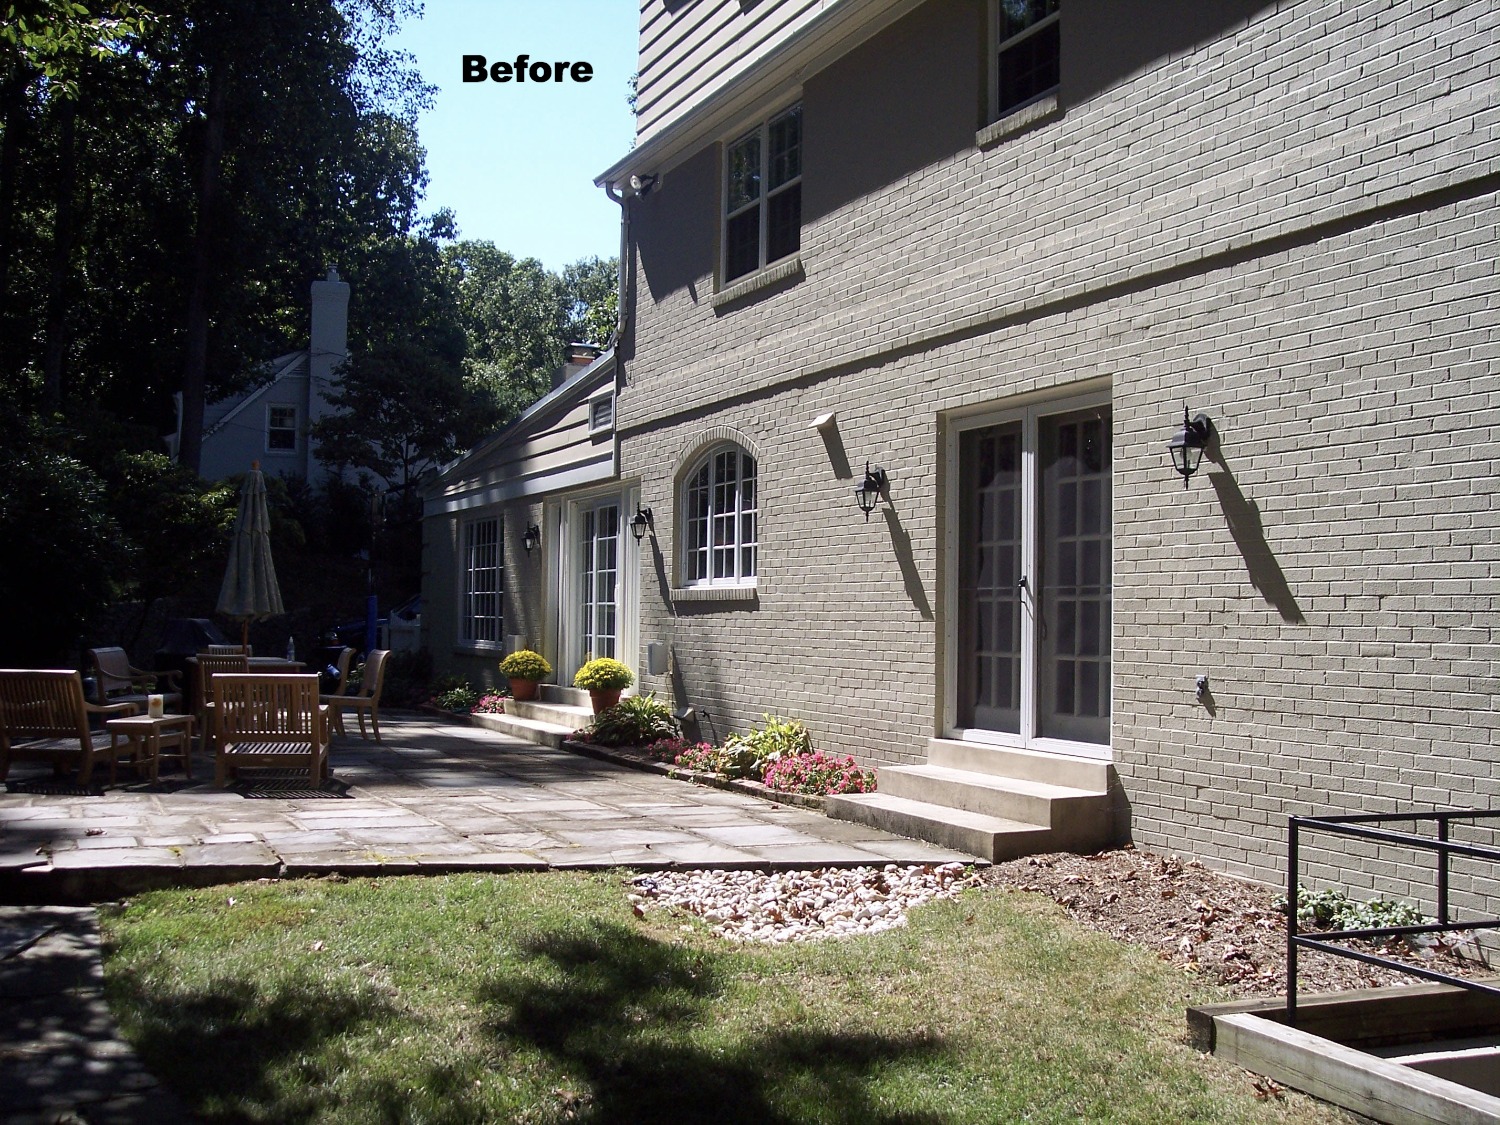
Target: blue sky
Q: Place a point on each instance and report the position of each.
(516, 161)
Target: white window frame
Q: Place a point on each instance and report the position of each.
(997, 45)
(760, 130)
(742, 575)
(295, 427)
(1028, 412)
(475, 560)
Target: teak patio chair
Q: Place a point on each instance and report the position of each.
(43, 714)
(346, 658)
(115, 681)
(368, 697)
(268, 720)
(229, 650)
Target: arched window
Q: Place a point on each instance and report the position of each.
(720, 525)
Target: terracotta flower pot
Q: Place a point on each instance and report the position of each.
(522, 690)
(604, 698)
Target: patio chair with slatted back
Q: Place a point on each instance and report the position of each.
(230, 650)
(371, 683)
(43, 715)
(346, 659)
(209, 665)
(116, 681)
(271, 721)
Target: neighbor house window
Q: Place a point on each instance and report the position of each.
(1026, 56)
(763, 195)
(483, 574)
(720, 524)
(281, 429)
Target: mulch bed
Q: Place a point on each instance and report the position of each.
(1228, 930)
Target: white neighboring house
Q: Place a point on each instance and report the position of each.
(271, 423)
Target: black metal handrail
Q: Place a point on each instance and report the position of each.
(1357, 827)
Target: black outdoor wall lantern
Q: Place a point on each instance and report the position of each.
(641, 523)
(870, 489)
(532, 539)
(1187, 444)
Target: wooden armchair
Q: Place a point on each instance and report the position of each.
(116, 681)
(346, 658)
(43, 714)
(367, 699)
(270, 720)
(229, 650)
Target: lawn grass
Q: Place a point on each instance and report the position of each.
(541, 998)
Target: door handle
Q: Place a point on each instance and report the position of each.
(1023, 585)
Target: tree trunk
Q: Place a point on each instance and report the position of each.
(55, 333)
(195, 366)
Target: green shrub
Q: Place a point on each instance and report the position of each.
(1337, 911)
(408, 676)
(726, 760)
(634, 721)
(603, 674)
(523, 664)
(460, 699)
(779, 738)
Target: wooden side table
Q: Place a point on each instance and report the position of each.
(148, 739)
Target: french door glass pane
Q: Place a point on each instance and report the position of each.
(1073, 578)
(989, 617)
(600, 559)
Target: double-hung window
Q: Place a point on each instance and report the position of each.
(482, 617)
(1027, 53)
(763, 195)
(281, 429)
(721, 519)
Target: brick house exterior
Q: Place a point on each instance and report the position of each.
(1283, 216)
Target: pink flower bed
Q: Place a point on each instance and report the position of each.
(819, 774)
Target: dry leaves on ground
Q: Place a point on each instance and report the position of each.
(1229, 930)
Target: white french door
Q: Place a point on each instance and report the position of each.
(1029, 534)
(596, 581)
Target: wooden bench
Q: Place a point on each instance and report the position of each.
(268, 720)
(43, 715)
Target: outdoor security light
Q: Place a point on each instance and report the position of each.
(532, 539)
(641, 523)
(642, 185)
(870, 489)
(1188, 444)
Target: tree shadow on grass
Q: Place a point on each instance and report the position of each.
(607, 1015)
(221, 1046)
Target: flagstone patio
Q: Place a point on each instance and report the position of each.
(432, 797)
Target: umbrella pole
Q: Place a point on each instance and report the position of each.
(245, 634)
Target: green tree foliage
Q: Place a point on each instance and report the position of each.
(591, 288)
(62, 556)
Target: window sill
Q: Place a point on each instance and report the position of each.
(478, 648)
(785, 270)
(1038, 112)
(693, 594)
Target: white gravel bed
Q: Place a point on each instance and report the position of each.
(800, 905)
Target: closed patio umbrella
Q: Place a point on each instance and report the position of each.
(250, 592)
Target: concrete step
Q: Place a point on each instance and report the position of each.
(530, 730)
(559, 714)
(566, 696)
(988, 837)
(1026, 765)
(1076, 817)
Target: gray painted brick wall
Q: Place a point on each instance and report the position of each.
(1293, 227)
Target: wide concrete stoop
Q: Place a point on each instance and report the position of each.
(994, 802)
(546, 724)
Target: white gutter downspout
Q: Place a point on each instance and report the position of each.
(623, 200)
